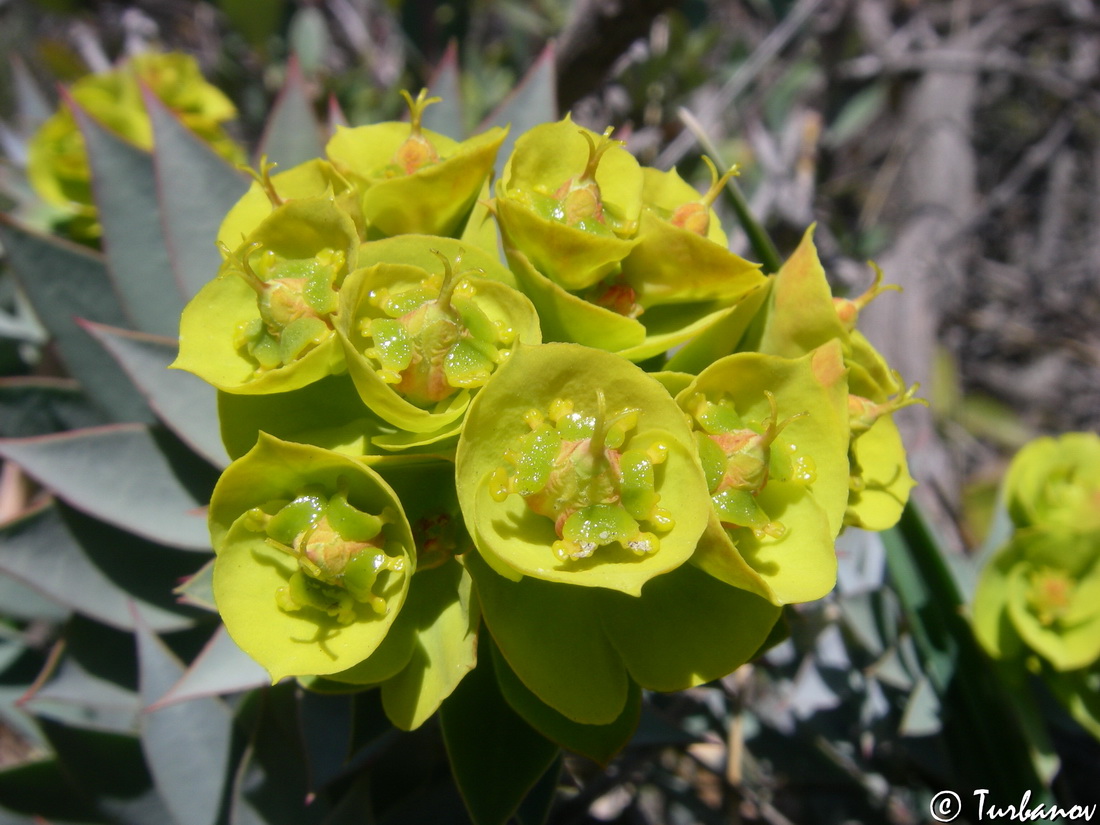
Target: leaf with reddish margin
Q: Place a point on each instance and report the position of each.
(195, 189)
(133, 237)
(531, 102)
(447, 116)
(126, 475)
(93, 568)
(292, 134)
(66, 281)
(186, 404)
(220, 668)
(187, 745)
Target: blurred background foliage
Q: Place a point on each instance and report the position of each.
(870, 118)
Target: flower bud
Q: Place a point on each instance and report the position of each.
(1055, 482)
(410, 179)
(569, 201)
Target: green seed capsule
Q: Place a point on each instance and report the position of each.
(738, 460)
(571, 469)
(341, 552)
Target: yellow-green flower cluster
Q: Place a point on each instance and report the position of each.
(57, 163)
(1041, 593)
(426, 435)
(1037, 603)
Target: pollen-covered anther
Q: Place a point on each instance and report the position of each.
(643, 544)
(573, 550)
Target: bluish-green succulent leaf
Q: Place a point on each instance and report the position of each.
(94, 569)
(195, 189)
(292, 134)
(110, 768)
(126, 475)
(221, 668)
(186, 404)
(447, 116)
(186, 745)
(39, 405)
(533, 101)
(65, 281)
(125, 188)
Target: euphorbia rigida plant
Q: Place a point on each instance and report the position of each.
(514, 450)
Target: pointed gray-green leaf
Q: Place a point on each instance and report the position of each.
(186, 745)
(26, 603)
(198, 590)
(195, 188)
(309, 38)
(446, 116)
(133, 237)
(292, 134)
(93, 569)
(38, 405)
(65, 281)
(31, 104)
(75, 695)
(496, 757)
(221, 668)
(923, 712)
(533, 101)
(184, 402)
(124, 474)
